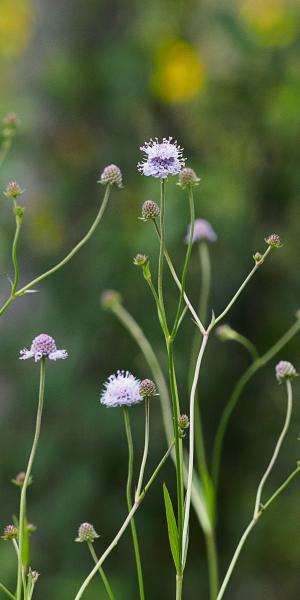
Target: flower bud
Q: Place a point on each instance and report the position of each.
(183, 422)
(140, 260)
(285, 370)
(150, 210)
(20, 478)
(257, 257)
(10, 532)
(86, 533)
(225, 332)
(147, 388)
(188, 178)
(33, 575)
(10, 120)
(111, 176)
(13, 190)
(110, 298)
(273, 240)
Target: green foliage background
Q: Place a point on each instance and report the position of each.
(86, 83)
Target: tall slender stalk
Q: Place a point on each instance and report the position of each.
(146, 448)
(27, 476)
(130, 504)
(101, 572)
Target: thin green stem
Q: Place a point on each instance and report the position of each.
(277, 449)
(186, 264)
(4, 150)
(7, 592)
(191, 445)
(19, 217)
(74, 251)
(212, 560)
(178, 444)
(179, 581)
(235, 297)
(281, 488)
(124, 526)
(237, 392)
(177, 281)
(101, 572)
(129, 503)
(146, 448)
(205, 280)
(162, 248)
(27, 476)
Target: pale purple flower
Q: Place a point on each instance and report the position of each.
(202, 231)
(121, 389)
(43, 345)
(162, 158)
(285, 370)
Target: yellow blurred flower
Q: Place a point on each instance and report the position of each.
(273, 21)
(16, 26)
(179, 73)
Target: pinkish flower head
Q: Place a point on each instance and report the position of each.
(202, 231)
(162, 158)
(285, 370)
(43, 346)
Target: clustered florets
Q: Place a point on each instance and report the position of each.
(183, 422)
(121, 389)
(188, 178)
(111, 175)
(202, 231)
(162, 158)
(10, 532)
(140, 260)
(86, 533)
(43, 346)
(13, 190)
(150, 210)
(273, 240)
(285, 370)
(148, 388)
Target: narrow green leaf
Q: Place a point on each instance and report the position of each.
(172, 529)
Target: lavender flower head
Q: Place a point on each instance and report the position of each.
(162, 158)
(202, 231)
(43, 346)
(121, 389)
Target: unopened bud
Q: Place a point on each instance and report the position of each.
(257, 257)
(188, 178)
(140, 260)
(10, 532)
(20, 478)
(13, 190)
(150, 210)
(86, 533)
(183, 422)
(285, 370)
(110, 298)
(111, 175)
(273, 240)
(147, 388)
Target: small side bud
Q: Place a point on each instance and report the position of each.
(86, 533)
(183, 422)
(285, 370)
(257, 257)
(33, 575)
(225, 332)
(273, 240)
(13, 190)
(111, 176)
(20, 478)
(31, 528)
(110, 298)
(140, 260)
(150, 210)
(188, 178)
(148, 388)
(10, 532)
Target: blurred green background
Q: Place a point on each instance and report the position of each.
(90, 81)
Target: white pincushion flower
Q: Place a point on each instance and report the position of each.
(43, 346)
(121, 389)
(162, 158)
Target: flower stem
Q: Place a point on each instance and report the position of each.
(19, 217)
(236, 394)
(237, 294)
(146, 448)
(179, 581)
(129, 502)
(27, 476)
(7, 592)
(258, 510)
(212, 559)
(124, 525)
(162, 248)
(277, 448)
(102, 574)
(191, 445)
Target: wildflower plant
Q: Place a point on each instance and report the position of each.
(196, 477)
